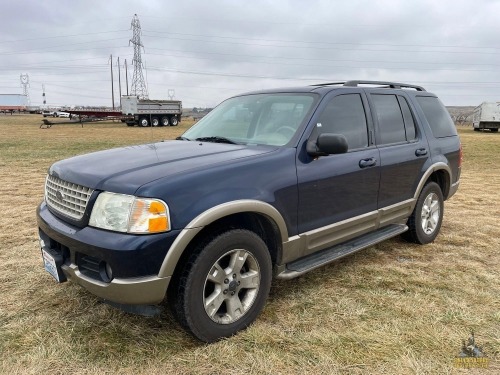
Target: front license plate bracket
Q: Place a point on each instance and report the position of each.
(52, 262)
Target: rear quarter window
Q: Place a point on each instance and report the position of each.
(437, 116)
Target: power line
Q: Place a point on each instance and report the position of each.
(323, 48)
(44, 49)
(59, 36)
(333, 66)
(311, 59)
(322, 42)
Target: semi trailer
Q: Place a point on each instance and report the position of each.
(149, 112)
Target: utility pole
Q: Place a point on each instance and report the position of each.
(119, 82)
(43, 95)
(112, 85)
(138, 84)
(126, 75)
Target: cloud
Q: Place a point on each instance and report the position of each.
(207, 51)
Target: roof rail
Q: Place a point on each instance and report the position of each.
(329, 84)
(388, 85)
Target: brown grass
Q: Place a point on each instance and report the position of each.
(395, 308)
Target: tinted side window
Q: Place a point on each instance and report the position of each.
(409, 123)
(345, 115)
(390, 119)
(437, 116)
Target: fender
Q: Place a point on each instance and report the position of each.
(213, 214)
(433, 168)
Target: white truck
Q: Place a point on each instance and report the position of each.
(486, 116)
(149, 112)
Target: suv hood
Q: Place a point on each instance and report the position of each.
(124, 170)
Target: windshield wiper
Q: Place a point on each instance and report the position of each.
(181, 138)
(216, 139)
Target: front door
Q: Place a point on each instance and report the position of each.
(338, 187)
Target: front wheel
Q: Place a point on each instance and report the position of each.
(223, 286)
(425, 221)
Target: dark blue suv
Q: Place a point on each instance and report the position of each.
(276, 182)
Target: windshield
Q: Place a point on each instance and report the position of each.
(261, 119)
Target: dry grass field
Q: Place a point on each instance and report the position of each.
(395, 308)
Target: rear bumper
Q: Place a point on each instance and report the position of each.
(453, 189)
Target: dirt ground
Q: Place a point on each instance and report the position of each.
(394, 308)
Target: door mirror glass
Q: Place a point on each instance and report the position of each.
(327, 144)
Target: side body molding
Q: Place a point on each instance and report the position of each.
(212, 215)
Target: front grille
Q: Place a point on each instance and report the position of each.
(67, 198)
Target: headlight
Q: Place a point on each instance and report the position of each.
(126, 213)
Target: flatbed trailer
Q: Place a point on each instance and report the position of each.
(46, 124)
(94, 113)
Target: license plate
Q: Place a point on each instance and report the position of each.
(50, 265)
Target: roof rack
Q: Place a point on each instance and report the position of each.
(329, 84)
(388, 85)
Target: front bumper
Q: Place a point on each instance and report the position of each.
(133, 291)
(134, 259)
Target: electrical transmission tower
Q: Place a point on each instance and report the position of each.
(25, 83)
(138, 84)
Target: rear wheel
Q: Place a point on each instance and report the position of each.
(155, 121)
(164, 121)
(143, 121)
(223, 286)
(494, 130)
(174, 121)
(425, 221)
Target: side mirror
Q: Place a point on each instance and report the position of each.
(327, 144)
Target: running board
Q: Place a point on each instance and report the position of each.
(313, 261)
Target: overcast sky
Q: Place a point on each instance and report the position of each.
(209, 50)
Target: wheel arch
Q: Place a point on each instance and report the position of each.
(257, 216)
(440, 173)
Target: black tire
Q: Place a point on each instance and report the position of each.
(476, 129)
(211, 301)
(130, 123)
(144, 122)
(173, 121)
(155, 121)
(494, 130)
(164, 121)
(426, 219)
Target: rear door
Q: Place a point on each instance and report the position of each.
(403, 148)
